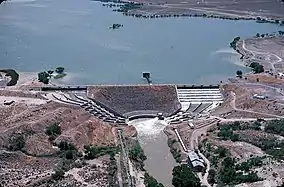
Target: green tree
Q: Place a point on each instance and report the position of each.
(53, 129)
(43, 77)
(211, 176)
(183, 176)
(150, 181)
(239, 73)
(256, 67)
(69, 154)
(221, 151)
(136, 153)
(59, 70)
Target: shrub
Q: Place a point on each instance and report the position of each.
(150, 181)
(59, 70)
(69, 154)
(59, 174)
(136, 153)
(92, 152)
(13, 74)
(17, 142)
(183, 176)
(53, 130)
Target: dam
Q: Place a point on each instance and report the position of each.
(119, 104)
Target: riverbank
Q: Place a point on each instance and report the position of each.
(230, 11)
(266, 50)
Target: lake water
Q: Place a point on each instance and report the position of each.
(41, 35)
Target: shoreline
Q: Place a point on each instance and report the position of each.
(139, 10)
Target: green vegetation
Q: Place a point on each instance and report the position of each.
(112, 170)
(59, 70)
(126, 7)
(64, 145)
(59, 174)
(267, 143)
(13, 74)
(116, 26)
(92, 152)
(229, 175)
(211, 176)
(53, 131)
(43, 77)
(275, 127)
(233, 44)
(175, 152)
(222, 152)
(136, 153)
(256, 67)
(17, 142)
(226, 131)
(239, 74)
(149, 181)
(183, 176)
(68, 148)
(247, 165)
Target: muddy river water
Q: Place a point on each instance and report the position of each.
(160, 161)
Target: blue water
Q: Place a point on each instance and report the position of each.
(41, 35)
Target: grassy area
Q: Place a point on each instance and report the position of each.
(13, 74)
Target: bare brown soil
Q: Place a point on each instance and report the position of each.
(124, 99)
(34, 164)
(238, 8)
(267, 51)
(246, 105)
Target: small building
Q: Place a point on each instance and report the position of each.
(194, 160)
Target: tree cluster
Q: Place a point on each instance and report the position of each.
(183, 176)
(256, 67)
(275, 127)
(150, 181)
(92, 152)
(229, 174)
(233, 44)
(136, 153)
(13, 74)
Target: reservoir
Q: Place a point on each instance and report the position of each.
(41, 35)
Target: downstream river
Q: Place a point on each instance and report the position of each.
(41, 35)
(160, 161)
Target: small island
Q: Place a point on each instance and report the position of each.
(45, 76)
(116, 26)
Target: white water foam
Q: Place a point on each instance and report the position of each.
(148, 129)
